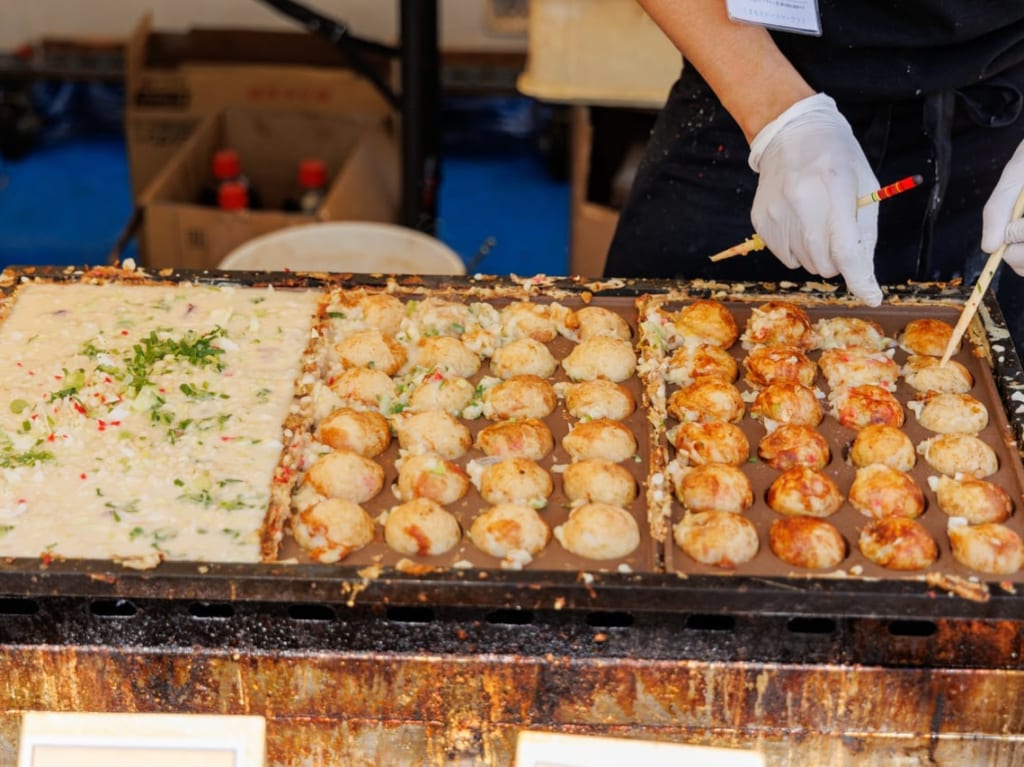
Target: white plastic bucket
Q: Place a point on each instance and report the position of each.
(346, 246)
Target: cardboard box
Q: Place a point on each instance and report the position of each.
(362, 163)
(606, 144)
(173, 80)
(605, 52)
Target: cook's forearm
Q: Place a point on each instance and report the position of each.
(749, 74)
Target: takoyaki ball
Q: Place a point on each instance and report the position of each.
(950, 413)
(926, 336)
(953, 454)
(447, 354)
(371, 349)
(383, 312)
(707, 399)
(785, 403)
(600, 481)
(987, 548)
(881, 443)
(815, 544)
(599, 531)
(513, 533)
(841, 332)
(516, 480)
(854, 366)
(602, 438)
(880, 491)
(593, 321)
(428, 475)
(523, 396)
(600, 357)
(377, 311)
(364, 389)
(597, 399)
(332, 529)
(362, 431)
(525, 319)
(437, 391)
(346, 475)
(524, 356)
(440, 317)
(690, 362)
(804, 491)
(778, 364)
(714, 487)
(858, 406)
(706, 322)
(898, 543)
(795, 445)
(432, 431)
(421, 527)
(528, 438)
(715, 442)
(717, 538)
(778, 323)
(976, 500)
(926, 374)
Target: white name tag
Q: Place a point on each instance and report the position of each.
(141, 740)
(552, 749)
(789, 15)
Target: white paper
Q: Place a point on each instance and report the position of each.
(553, 749)
(790, 15)
(57, 739)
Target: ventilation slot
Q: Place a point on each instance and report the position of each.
(610, 620)
(912, 628)
(511, 617)
(311, 612)
(411, 614)
(210, 610)
(821, 626)
(700, 622)
(113, 608)
(18, 606)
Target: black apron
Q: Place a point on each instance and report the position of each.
(929, 86)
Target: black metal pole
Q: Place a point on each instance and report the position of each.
(421, 113)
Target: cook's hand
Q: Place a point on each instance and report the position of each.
(805, 208)
(997, 227)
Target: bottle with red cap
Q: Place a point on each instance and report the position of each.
(233, 195)
(226, 168)
(311, 187)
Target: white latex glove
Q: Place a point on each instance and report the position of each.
(805, 208)
(997, 227)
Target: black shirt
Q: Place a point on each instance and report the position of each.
(897, 49)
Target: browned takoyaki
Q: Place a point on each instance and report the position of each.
(803, 491)
(717, 538)
(778, 323)
(898, 543)
(881, 491)
(808, 542)
(795, 445)
(707, 399)
(783, 403)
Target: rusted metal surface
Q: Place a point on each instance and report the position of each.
(396, 688)
(435, 709)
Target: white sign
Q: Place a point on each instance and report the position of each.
(551, 749)
(789, 15)
(51, 739)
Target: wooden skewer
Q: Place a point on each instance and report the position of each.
(756, 243)
(988, 271)
(749, 244)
